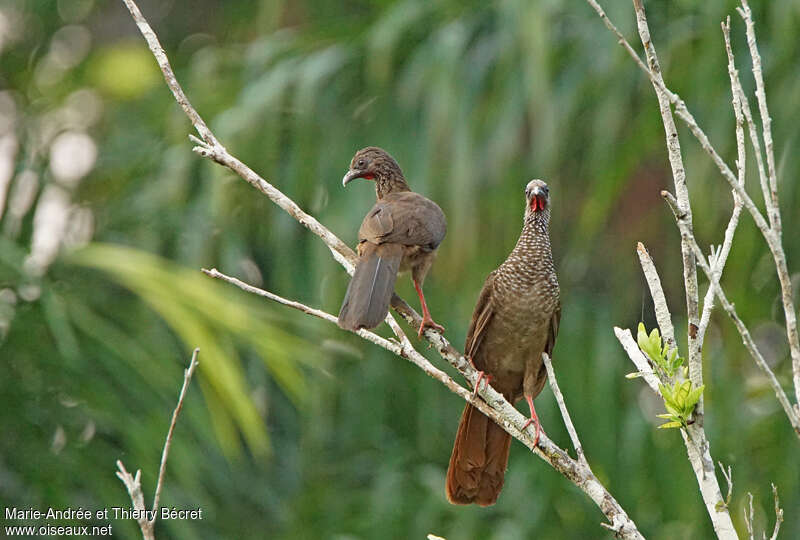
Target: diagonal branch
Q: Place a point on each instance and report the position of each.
(573, 435)
(493, 404)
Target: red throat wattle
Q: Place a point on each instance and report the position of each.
(537, 203)
(369, 176)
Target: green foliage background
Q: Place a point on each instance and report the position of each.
(292, 428)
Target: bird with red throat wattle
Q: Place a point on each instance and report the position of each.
(400, 233)
(515, 320)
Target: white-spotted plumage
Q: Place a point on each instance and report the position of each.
(515, 319)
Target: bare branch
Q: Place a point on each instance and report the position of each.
(729, 480)
(682, 193)
(169, 75)
(573, 435)
(748, 517)
(697, 446)
(134, 484)
(657, 292)
(772, 237)
(747, 339)
(770, 198)
(684, 114)
(638, 358)
(721, 255)
(134, 487)
(493, 405)
(778, 513)
(187, 377)
(340, 251)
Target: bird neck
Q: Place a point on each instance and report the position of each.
(390, 184)
(537, 221)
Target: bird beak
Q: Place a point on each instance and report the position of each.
(351, 175)
(537, 191)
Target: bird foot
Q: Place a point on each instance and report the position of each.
(427, 322)
(534, 419)
(482, 376)
(538, 429)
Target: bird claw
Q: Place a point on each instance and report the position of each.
(485, 377)
(427, 322)
(534, 419)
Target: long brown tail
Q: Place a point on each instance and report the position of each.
(478, 463)
(366, 302)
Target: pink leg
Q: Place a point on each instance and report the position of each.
(427, 320)
(533, 420)
(482, 376)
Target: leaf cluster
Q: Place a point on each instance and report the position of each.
(666, 360)
(680, 400)
(680, 397)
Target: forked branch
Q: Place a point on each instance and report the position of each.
(493, 404)
(133, 483)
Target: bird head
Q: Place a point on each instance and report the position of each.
(373, 163)
(537, 195)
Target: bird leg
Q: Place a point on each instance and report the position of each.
(427, 320)
(482, 376)
(533, 420)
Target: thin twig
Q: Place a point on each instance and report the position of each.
(773, 206)
(573, 435)
(729, 480)
(778, 513)
(748, 517)
(638, 358)
(683, 113)
(771, 197)
(187, 377)
(134, 484)
(721, 255)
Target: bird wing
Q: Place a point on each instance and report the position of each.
(552, 332)
(481, 315)
(405, 218)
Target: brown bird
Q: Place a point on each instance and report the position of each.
(401, 232)
(515, 320)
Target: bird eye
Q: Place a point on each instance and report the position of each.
(360, 163)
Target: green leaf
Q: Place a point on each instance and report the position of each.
(694, 396)
(671, 408)
(641, 336)
(669, 425)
